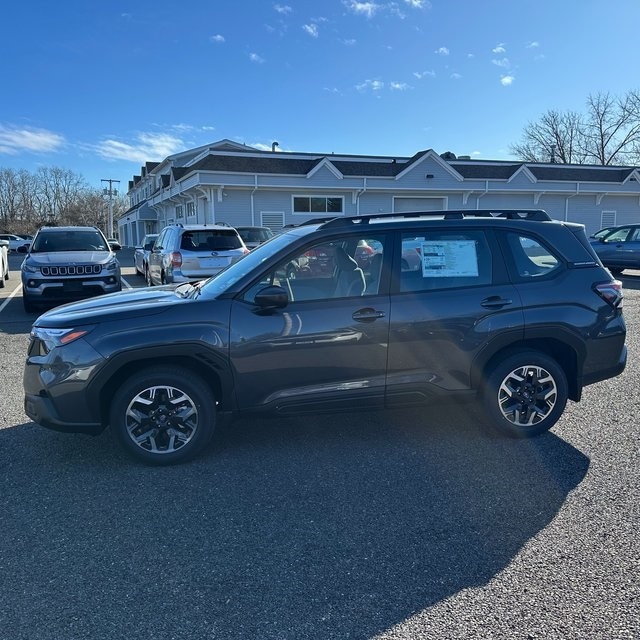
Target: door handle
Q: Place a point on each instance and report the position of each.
(495, 302)
(367, 315)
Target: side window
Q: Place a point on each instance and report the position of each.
(340, 268)
(444, 260)
(635, 236)
(159, 244)
(619, 235)
(531, 258)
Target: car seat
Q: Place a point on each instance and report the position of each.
(375, 269)
(350, 280)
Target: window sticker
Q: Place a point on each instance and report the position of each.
(449, 258)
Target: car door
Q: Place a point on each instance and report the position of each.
(327, 348)
(451, 303)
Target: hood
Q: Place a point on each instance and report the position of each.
(70, 257)
(124, 304)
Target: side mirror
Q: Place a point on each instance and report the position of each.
(115, 246)
(148, 246)
(272, 297)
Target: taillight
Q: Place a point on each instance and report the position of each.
(611, 292)
(176, 259)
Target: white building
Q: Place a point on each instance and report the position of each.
(240, 185)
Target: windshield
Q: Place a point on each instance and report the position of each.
(235, 272)
(72, 240)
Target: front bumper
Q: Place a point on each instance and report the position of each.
(39, 289)
(41, 410)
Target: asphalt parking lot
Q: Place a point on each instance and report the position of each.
(412, 524)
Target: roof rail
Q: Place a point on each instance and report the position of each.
(449, 214)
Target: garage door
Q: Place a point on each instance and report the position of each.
(403, 205)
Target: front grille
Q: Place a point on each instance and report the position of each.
(73, 270)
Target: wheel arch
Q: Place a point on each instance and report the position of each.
(209, 371)
(564, 354)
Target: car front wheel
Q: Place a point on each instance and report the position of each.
(163, 415)
(525, 394)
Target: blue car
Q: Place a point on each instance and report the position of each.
(620, 248)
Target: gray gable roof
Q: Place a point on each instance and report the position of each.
(229, 157)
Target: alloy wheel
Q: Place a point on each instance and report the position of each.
(161, 419)
(527, 395)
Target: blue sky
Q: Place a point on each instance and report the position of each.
(102, 87)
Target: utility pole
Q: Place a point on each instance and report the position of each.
(110, 191)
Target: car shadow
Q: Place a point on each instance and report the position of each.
(323, 527)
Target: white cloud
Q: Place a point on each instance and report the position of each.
(350, 42)
(424, 74)
(471, 55)
(374, 85)
(147, 146)
(217, 38)
(400, 86)
(442, 51)
(499, 48)
(455, 76)
(533, 45)
(419, 4)
(506, 81)
(14, 140)
(476, 153)
(282, 8)
(503, 62)
(311, 29)
(368, 9)
(254, 57)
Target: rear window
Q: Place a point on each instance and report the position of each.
(255, 235)
(211, 240)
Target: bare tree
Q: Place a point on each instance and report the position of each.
(50, 195)
(612, 128)
(607, 133)
(555, 137)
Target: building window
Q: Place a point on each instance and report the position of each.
(179, 211)
(317, 204)
(191, 209)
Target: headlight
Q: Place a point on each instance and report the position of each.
(112, 266)
(51, 338)
(30, 268)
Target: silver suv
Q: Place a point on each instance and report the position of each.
(193, 252)
(68, 263)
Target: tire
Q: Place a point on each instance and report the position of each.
(163, 415)
(525, 394)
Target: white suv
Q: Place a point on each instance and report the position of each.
(193, 252)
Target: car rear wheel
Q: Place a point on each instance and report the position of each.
(525, 394)
(163, 415)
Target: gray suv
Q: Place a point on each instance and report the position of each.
(68, 263)
(506, 308)
(192, 252)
